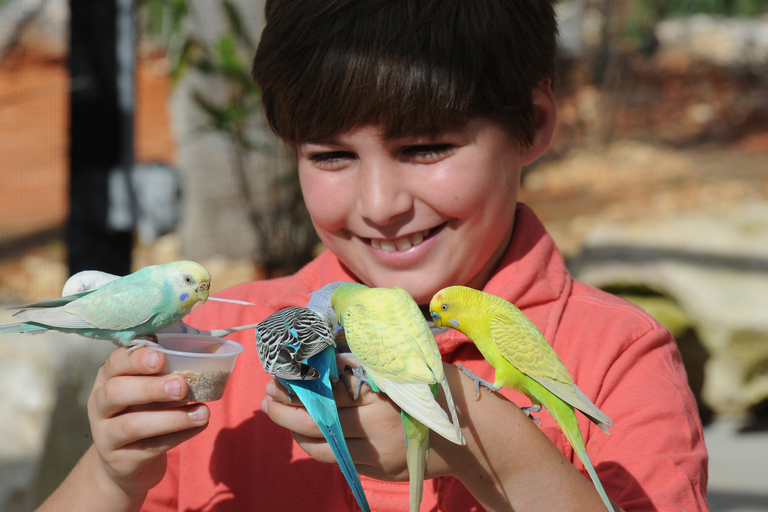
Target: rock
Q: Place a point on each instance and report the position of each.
(46, 379)
(729, 42)
(714, 265)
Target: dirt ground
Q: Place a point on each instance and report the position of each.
(692, 138)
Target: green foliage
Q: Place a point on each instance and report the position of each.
(714, 7)
(642, 15)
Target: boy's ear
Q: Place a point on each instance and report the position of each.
(545, 119)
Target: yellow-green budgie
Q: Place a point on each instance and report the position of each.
(389, 336)
(127, 311)
(523, 360)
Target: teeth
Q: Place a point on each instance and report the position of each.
(399, 244)
(403, 243)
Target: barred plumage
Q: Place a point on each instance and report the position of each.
(287, 338)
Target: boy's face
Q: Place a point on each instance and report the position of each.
(417, 212)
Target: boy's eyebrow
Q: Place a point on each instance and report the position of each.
(329, 141)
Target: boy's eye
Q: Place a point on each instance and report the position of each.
(330, 158)
(425, 153)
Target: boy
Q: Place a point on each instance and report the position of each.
(410, 121)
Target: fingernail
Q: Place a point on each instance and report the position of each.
(173, 388)
(199, 413)
(270, 389)
(264, 406)
(152, 358)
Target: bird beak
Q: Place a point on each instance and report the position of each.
(437, 320)
(202, 292)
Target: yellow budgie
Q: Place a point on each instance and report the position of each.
(387, 333)
(523, 360)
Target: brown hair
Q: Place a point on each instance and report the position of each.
(408, 66)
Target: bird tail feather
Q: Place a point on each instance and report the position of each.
(317, 397)
(417, 452)
(22, 327)
(567, 421)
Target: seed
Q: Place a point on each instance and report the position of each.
(204, 386)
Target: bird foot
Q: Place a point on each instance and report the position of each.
(290, 394)
(148, 340)
(529, 410)
(362, 378)
(478, 380)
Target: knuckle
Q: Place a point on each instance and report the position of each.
(111, 391)
(131, 426)
(152, 445)
(113, 360)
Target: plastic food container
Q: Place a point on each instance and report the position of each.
(205, 363)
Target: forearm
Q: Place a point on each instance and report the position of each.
(508, 463)
(89, 488)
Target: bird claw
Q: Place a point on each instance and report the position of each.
(148, 340)
(362, 378)
(529, 410)
(478, 380)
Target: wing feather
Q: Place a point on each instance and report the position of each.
(523, 345)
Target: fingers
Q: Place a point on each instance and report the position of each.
(154, 431)
(277, 391)
(143, 361)
(127, 381)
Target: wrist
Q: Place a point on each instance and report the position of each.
(107, 486)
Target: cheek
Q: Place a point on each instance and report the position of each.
(325, 200)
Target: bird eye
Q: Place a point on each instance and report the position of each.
(188, 279)
(444, 307)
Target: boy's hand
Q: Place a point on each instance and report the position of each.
(372, 427)
(136, 417)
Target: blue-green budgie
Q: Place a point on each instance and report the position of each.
(388, 334)
(86, 280)
(297, 346)
(127, 311)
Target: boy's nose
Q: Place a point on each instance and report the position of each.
(382, 195)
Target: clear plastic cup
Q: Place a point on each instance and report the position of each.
(205, 362)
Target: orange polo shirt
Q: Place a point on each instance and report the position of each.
(654, 459)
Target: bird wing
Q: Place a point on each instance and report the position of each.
(523, 346)
(385, 346)
(122, 304)
(288, 337)
(391, 356)
(52, 303)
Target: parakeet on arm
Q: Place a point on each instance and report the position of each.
(389, 336)
(297, 346)
(523, 360)
(127, 311)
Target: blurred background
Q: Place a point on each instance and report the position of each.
(130, 134)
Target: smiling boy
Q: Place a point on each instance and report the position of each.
(410, 121)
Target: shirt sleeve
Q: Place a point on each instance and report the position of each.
(655, 457)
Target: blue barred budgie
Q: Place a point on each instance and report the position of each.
(127, 311)
(389, 336)
(297, 346)
(523, 360)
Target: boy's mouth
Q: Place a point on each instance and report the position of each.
(400, 244)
